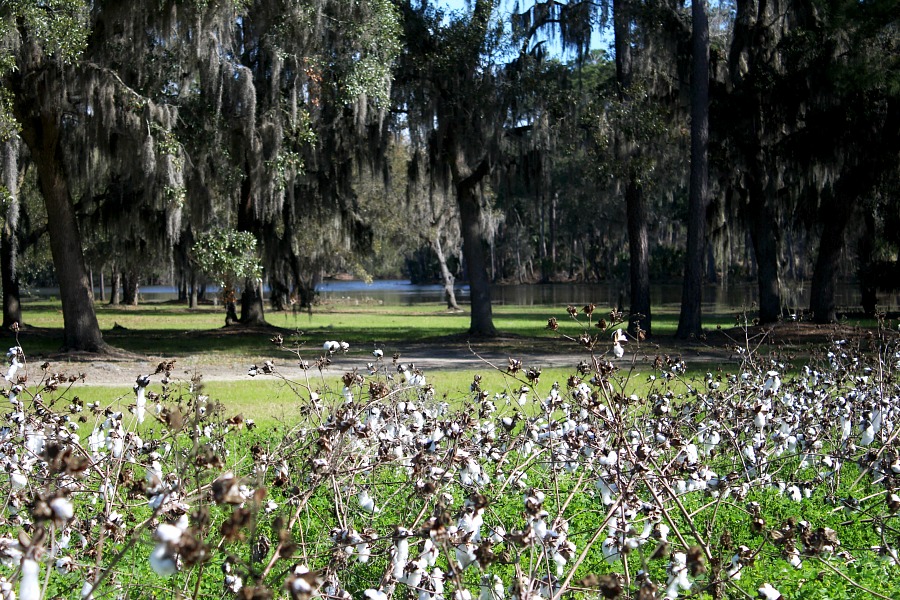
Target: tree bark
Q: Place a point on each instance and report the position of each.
(115, 293)
(80, 328)
(252, 311)
(446, 275)
(130, 287)
(824, 279)
(9, 242)
(193, 297)
(765, 248)
(635, 209)
(12, 306)
(690, 321)
(867, 283)
(481, 321)
(639, 257)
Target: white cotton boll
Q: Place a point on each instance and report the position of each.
(609, 459)
(331, 346)
(115, 445)
(29, 580)
(794, 558)
(233, 583)
(759, 419)
(773, 382)
(846, 428)
(749, 454)
(367, 503)
(140, 403)
(348, 395)
(868, 435)
(618, 350)
(462, 595)
(18, 480)
(64, 538)
(64, 565)
(498, 534)
(162, 561)
(691, 454)
(711, 441)
(465, 555)
(539, 526)
(168, 533)
(62, 509)
(470, 524)
(678, 578)
(373, 594)
(87, 590)
(429, 553)
(363, 552)
(663, 530)
(767, 592)
(491, 588)
(610, 550)
(400, 554)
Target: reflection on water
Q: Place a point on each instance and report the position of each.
(716, 298)
(668, 296)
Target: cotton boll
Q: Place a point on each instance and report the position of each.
(367, 503)
(767, 592)
(162, 560)
(491, 588)
(373, 594)
(29, 580)
(62, 509)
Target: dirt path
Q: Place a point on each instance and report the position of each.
(428, 357)
(456, 353)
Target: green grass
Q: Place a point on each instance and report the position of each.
(174, 330)
(271, 401)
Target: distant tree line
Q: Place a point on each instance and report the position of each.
(714, 142)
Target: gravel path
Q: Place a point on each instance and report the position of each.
(123, 371)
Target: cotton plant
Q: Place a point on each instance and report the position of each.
(639, 461)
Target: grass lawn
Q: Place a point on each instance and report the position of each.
(173, 330)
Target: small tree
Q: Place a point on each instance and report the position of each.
(227, 256)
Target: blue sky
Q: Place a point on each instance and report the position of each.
(597, 40)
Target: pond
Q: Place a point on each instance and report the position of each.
(717, 298)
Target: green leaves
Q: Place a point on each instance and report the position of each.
(227, 256)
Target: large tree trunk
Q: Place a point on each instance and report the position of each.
(635, 210)
(763, 233)
(482, 321)
(130, 287)
(690, 321)
(824, 279)
(194, 291)
(115, 292)
(867, 284)
(446, 275)
(252, 312)
(639, 257)
(12, 307)
(9, 177)
(80, 328)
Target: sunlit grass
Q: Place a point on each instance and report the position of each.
(270, 400)
(165, 329)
